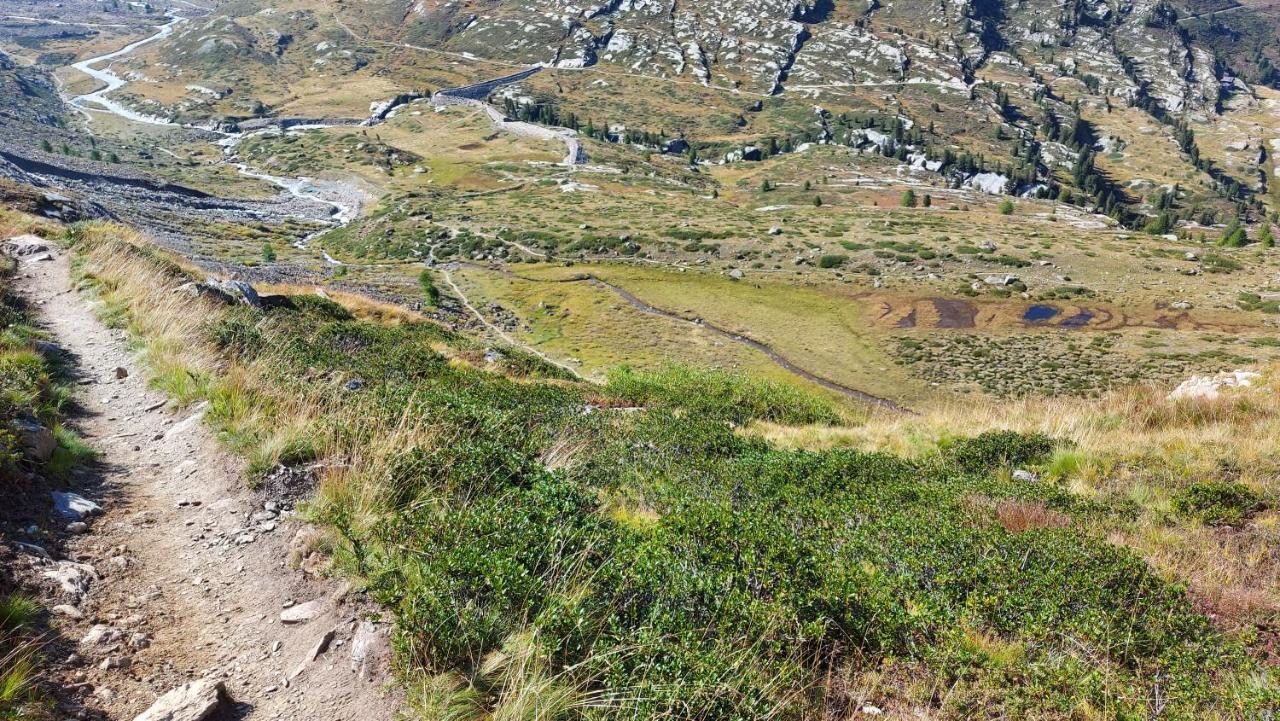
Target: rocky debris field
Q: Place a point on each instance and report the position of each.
(174, 591)
(171, 213)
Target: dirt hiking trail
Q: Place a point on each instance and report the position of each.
(183, 580)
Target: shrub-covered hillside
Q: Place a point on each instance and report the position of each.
(555, 549)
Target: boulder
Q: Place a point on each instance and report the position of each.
(195, 701)
(1001, 280)
(74, 506)
(26, 247)
(202, 290)
(38, 442)
(238, 290)
(1210, 387)
(677, 146)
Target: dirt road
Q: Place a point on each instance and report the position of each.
(185, 574)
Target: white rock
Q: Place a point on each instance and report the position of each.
(37, 441)
(302, 612)
(73, 578)
(68, 610)
(25, 247)
(71, 505)
(100, 635)
(369, 648)
(195, 701)
(1210, 387)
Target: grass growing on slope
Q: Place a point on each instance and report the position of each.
(20, 693)
(30, 393)
(550, 551)
(718, 394)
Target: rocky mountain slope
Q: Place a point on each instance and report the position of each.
(769, 46)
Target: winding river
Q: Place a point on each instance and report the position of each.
(98, 100)
(342, 209)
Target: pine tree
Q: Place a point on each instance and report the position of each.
(1234, 236)
(909, 198)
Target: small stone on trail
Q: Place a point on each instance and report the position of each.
(121, 373)
(321, 645)
(66, 609)
(77, 527)
(100, 635)
(301, 612)
(111, 662)
(73, 578)
(195, 701)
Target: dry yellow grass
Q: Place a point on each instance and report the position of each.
(361, 306)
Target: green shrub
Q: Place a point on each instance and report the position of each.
(429, 289)
(832, 261)
(720, 395)
(997, 449)
(1217, 502)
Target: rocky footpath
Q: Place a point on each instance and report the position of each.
(175, 592)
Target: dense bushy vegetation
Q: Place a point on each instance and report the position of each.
(674, 568)
(720, 395)
(1217, 502)
(552, 540)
